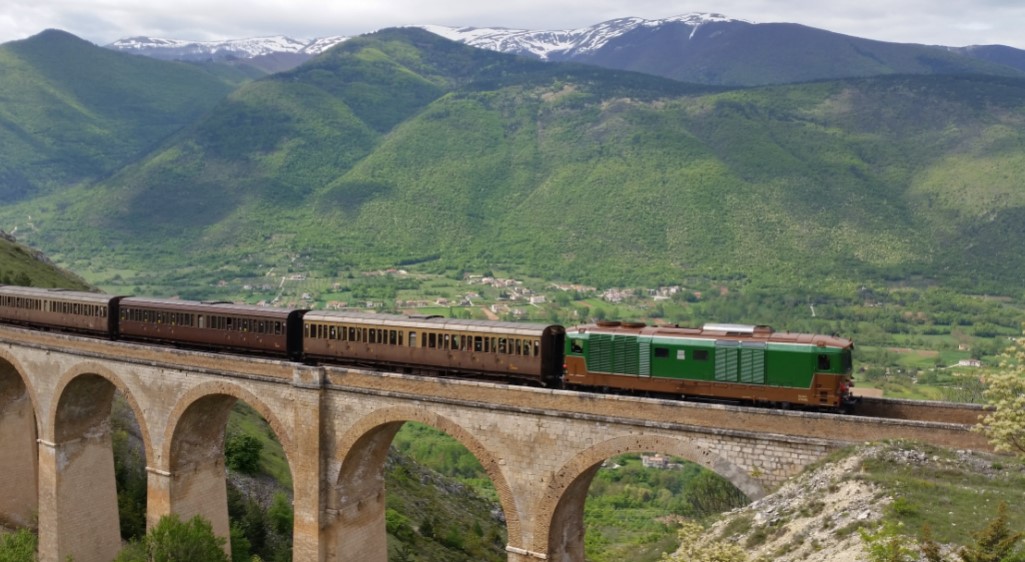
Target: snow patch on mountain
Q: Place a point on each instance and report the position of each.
(568, 42)
(239, 48)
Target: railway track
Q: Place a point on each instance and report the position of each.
(920, 410)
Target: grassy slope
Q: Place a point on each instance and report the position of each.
(18, 263)
(403, 146)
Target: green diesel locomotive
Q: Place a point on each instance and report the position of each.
(749, 364)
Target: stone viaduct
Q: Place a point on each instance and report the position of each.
(540, 447)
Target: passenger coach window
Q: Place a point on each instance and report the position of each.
(412, 339)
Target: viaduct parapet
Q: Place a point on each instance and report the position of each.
(541, 448)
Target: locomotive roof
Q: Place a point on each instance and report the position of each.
(207, 307)
(716, 332)
(56, 294)
(431, 323)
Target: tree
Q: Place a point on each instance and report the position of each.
(995, 543)
(709, 493)
(1005, 396)
(242, 452)
(280, 514)
(240, 547)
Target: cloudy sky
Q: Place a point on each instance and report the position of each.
(939, 22)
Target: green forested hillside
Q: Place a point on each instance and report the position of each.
(401, 147)
(74, 112)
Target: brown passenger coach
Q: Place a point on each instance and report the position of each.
(437, 345)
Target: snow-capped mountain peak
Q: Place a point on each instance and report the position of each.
(563, 44)
(568, 42)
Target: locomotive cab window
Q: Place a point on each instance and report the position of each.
(661, 352)
(700, 355)
(577, 346)
(824, 364)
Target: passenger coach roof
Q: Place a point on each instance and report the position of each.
(206, 308)
(55, 294)
(399, 321)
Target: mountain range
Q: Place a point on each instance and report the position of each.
(403, 147)
(702, 48)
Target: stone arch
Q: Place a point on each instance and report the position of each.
(80, 517)
(192, 454)
(19, 458)
(362, 449)
(100, 371)
(560, 529)
(218, 388)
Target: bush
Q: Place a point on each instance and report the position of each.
(173, 540)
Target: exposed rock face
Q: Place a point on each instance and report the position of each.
(816, 516)
(813, 517)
